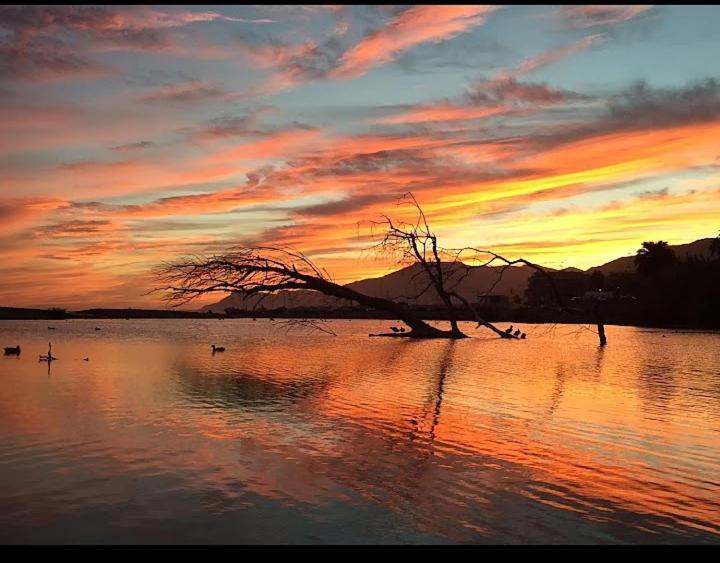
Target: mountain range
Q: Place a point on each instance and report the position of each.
(405, 284)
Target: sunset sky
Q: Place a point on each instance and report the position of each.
(133, 135)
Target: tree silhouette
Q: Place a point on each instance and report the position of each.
(654, 257)
(261, 271)
(715, 246)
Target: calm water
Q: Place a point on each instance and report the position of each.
(310, 438)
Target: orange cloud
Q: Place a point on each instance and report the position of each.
(16, 213)
(441, 112)
(277, 145)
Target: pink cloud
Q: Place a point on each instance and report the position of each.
(282, 144)
(533, 63)
(420, 24)
(21, 116)
(441, 112)
(267, 55)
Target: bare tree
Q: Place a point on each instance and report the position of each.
(264, 270)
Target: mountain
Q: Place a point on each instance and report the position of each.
(402, 285)
(407, 282)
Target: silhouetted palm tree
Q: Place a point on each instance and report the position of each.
(654, 257)
(715, 246)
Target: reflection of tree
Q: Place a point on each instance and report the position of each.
(560, 380)
(558, 391)
(599, 360)
(434, 403)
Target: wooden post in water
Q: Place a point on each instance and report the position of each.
(600, 323)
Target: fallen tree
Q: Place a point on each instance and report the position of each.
(263, 270)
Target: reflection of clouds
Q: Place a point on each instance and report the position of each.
(512, 441)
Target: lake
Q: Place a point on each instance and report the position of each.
(296, 437)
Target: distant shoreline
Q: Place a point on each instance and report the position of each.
(25, 314)
(527, 315)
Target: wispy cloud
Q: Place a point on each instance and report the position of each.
(599, 15)
(414, 26)
(502, 93)
(546, 58)
(192, 92)
(308, 61)
(138, 145)
(33, 49)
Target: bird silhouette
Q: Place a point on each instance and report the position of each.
(522, 335)
(509, 330)
(394, 329)
(86, 359)
(217, 348)
(49, 357)
(10, 351)
(516, 333)
(402, 329)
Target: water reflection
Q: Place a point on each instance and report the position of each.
(330, 439)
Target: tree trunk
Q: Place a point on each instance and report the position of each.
(600, 324)
(418, 327)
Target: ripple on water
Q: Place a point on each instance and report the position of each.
(548, 440)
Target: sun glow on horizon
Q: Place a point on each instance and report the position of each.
(135, 135)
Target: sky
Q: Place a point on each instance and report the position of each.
(132, 136)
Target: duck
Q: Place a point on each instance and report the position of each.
(217, 348)
(509, 330)
(522, 335)
(97, 328)
(394, 329)
(86, 359)
(516, 333)
(402, 329)
(10, 351)
(51, 328)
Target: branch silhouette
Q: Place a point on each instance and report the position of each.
(258, 272)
